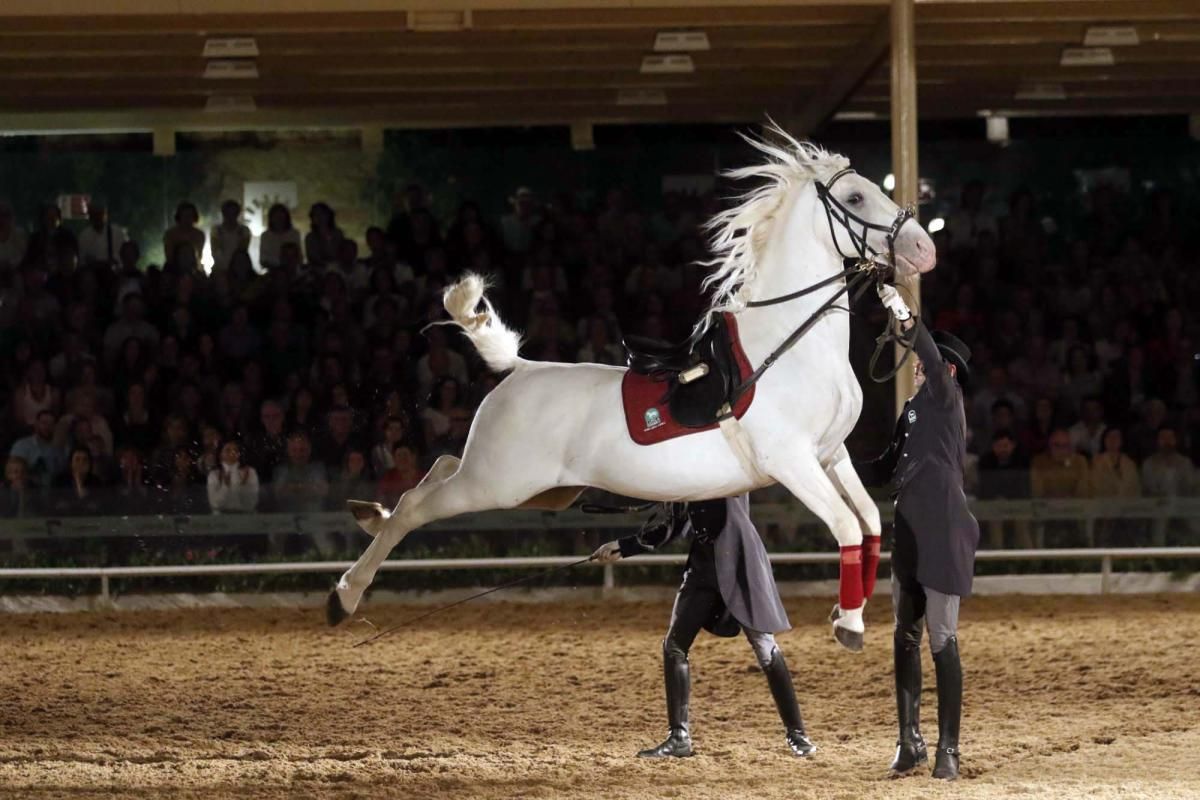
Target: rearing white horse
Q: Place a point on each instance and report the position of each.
(550, 430)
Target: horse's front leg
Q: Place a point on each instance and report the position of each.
(845, 478)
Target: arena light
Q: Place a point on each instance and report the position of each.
(231, 47)
(434, 21)
(889, 182)
(1087, 57)
(936, 224)
(674, 64)
(680, 41)
(997, 129)
(1042, 91)
(1111, 36)
(850, 116)
(230, 70)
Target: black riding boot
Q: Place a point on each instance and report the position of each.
(779, 678)
(678, 680)
(949, 690)
(910, 747)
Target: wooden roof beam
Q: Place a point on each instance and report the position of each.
(860, 62)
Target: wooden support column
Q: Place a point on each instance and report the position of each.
(904, 147)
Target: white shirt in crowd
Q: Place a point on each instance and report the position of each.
(227, 241)
(271, 243)
(232, 488)
(101, 246)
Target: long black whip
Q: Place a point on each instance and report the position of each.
(440, 609)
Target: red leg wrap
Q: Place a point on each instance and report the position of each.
(870, 564)
(850, 585)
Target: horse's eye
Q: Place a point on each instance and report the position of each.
(855, 199)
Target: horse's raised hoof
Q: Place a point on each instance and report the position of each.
(368, 515)
(851, 640)
(335, 612)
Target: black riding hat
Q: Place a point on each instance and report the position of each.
(955, 351)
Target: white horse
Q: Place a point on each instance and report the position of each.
(550, 430)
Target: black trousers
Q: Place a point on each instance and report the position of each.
(699, 603)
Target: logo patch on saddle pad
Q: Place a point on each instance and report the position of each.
(912, 416)
(652, 418)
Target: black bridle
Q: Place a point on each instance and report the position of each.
(868, 264)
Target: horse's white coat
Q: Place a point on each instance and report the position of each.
(553, 425)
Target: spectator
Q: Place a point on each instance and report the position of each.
(445, 399)
(232, 485)
(174, 437)
(50, 242)
(84, 408)
(1061, 471)
(1081, 379)
(404, 475)
(12, 238)
(1034, 373)
(131, 496)
(182, 492)
(17, 496)
(210, 450)
(130, 325)
(78, 492)
(34, 395)
(279, 232)
(1087, 433)
(599, 348)
(267, 448)
(394, 433)
(323, 241)
(1112, 473)
(229, 237)
(44, 459)
(185, 232)
(352, 481)
(971, 219)
(517, 226)
(239, 341)
(1004, 475)
(101, 241)
(1167, 472)
(996, 388)
(135, 426)
(302, 416)
(439, 363)
(338, 437)
(299, 485)
(1143, 434)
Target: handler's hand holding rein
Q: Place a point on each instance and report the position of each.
(892, 301)
(607, 553)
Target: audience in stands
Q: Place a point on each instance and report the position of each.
(311, 373)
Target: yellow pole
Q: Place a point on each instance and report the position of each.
(904, 146)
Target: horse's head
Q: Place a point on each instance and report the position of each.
(863, 222)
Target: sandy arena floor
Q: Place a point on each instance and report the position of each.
(1081, 697)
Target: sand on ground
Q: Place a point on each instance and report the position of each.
(1089, 697)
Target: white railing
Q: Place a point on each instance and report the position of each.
(1106, 556)
(1086, 511)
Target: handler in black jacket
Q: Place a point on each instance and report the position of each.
(935, 538)
(728, 586)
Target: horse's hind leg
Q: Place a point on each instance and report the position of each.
(459, 493)
(371, 516)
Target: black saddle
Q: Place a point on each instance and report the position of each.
(699, 373)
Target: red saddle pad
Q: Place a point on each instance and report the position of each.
(647, 415)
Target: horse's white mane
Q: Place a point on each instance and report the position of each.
(739, 233)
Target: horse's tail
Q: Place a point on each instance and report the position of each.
(495, 341)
